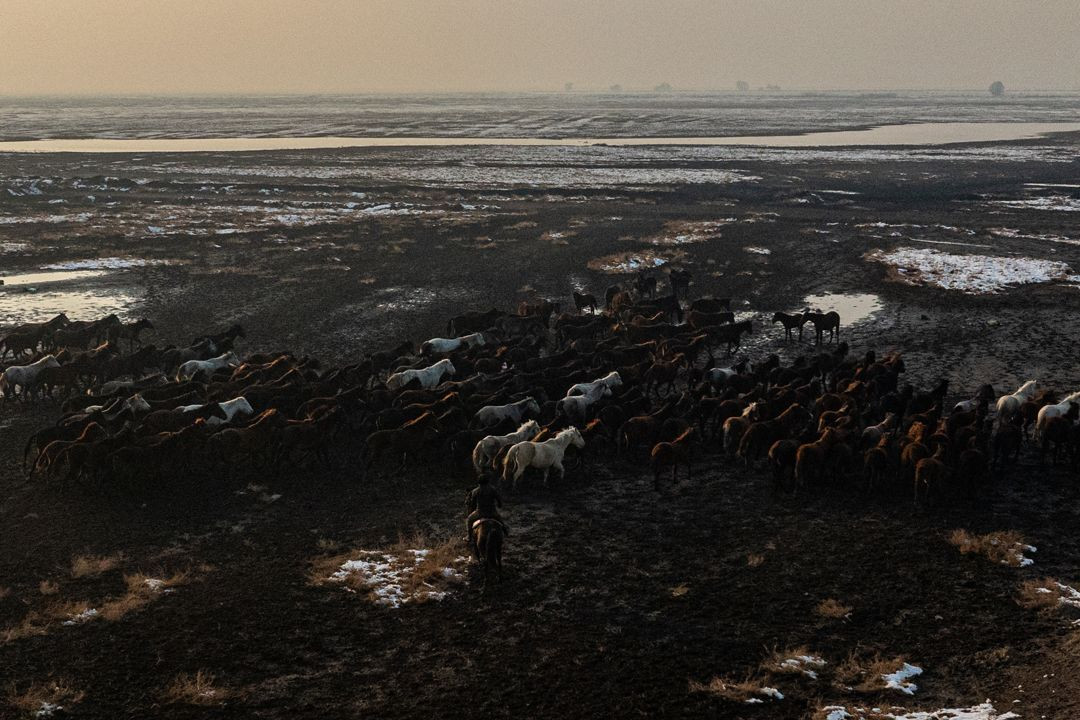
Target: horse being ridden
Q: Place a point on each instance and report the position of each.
(483, 503)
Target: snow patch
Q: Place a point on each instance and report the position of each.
(971, 274)
(383, 575)
(985, 711)
(899, 680)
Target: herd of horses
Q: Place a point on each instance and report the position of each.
(507, 392)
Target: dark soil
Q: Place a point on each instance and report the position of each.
(616, 597)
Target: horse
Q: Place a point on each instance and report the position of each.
(824, 321)
(232, 409)
(25, 377)
(610, 381)
(428, 377)
(191, 368)
(489, 447)
(541, 455)
(131, 331)
(1046, 412)
(584, 300)
(697, 319)
(711, 305)
(790, 322)
(680, 280)
(493, 414)
(672, 453)
(444, 346)
(1008, 405)
(489, 543)
(645, 284)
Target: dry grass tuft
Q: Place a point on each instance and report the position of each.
(754, 560)
(1000, 547)
(742, 691)
(197, 689)
(794, 661)
(33, 623)
(4, 592)
(1047, 594)
(679, 590)
(48, 587)
(419, 580)
(142, 589)
(864, 675)
(94, 565)
(51, 695)
(429, 575)
(833, 609)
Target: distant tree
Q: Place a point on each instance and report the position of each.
(742, 86)
(568, 87)
(663, 87)
(615, 88)
(997, 88)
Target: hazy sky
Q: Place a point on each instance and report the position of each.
(173, 46)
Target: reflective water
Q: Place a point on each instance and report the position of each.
(43, 278)
(853, 307)
(913, 134)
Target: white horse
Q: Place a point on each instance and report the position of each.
(576, 407)
(189, 369)
(24, 376)
(1008, 405)
(448, 345)
(136, 403)
(720, 376)
(1046, 412)
(232, 409)
(543, 455)
(610, 381)
(429, 377)
(485, 452)
(493, 414)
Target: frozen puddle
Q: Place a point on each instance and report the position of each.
(22, 307)
(388, 578)
(985, 711)
(628, 262)
(44, 278)
(109, 263)
(972, 274)
(852, 307)
(1058, 203)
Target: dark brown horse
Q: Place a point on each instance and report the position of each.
(489, 546)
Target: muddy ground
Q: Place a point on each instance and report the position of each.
(616, 597)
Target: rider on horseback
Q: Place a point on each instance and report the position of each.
(483, 503)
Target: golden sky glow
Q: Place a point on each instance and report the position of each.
(177, 46)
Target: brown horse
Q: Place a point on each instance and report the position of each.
(585, 300)
(489, 546)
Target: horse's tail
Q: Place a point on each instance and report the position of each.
(26, 451)
(509, 464)
(477, 456)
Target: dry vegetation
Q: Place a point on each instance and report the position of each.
(833, 609)
(94, 565)
(740, 691)
(1001, 547)
(864, 675)
(1047, 594)
(420, 580)
(50, 695)
(198, 689)
(141, 590)
(48, 587)
(754, 560)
